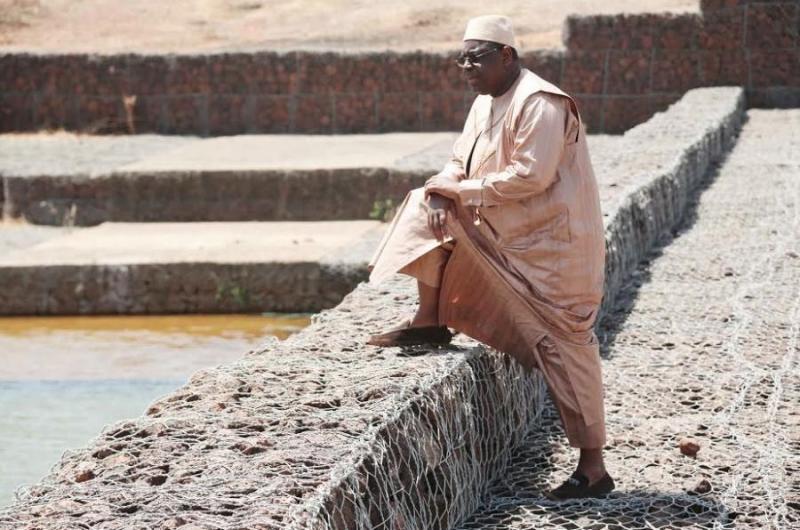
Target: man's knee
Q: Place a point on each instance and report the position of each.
(429, 267)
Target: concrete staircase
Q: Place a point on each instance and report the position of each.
(322, 431)
(186, 224)
(165, 224)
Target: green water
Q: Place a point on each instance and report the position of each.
(63, 378)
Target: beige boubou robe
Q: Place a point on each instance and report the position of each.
(523, 268)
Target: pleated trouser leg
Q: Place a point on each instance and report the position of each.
(429, 267)
(579, 434)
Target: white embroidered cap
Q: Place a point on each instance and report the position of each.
(495, 28)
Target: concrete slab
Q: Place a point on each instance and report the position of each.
(189, 268)
(16, 235)
(79, 154)
(165, 243)
(63, 153)
(289, 151)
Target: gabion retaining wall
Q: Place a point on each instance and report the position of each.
(320, 431)
(621, 68)
(177, 288)
(186, 196)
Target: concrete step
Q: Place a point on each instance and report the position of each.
(201, 267)
(68, 179)
(79, 180)
(219, 257)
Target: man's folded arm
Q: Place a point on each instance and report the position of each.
(538, 145)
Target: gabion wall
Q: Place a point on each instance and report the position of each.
(320, 431)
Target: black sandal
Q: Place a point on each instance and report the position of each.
(408, 336)
(577, 487)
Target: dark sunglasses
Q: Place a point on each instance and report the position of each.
(474, 58)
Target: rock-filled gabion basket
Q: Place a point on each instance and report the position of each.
(321, 431)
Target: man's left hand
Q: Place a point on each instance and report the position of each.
(443, 185)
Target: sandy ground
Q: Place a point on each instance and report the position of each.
(185, 25)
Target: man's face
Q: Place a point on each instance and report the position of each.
(489, 72)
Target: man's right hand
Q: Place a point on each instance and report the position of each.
(437, 215)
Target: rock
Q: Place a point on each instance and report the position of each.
(175, 522)
(118, 459)
(156, 480)
(249, 449)
(67, 506)
(704, 486)
(689, 447)
(103, 452)
(84, 472)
